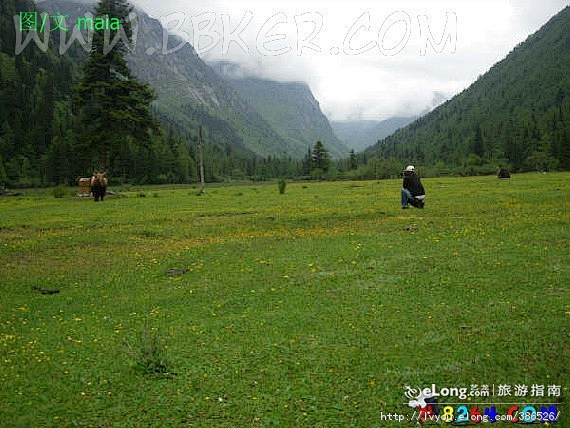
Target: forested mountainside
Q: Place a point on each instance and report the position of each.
(188, 91)
(40, 135)
(517, 114)
(35, 106)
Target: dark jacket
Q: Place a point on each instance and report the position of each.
(413, 184)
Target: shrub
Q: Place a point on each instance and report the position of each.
(149, 352)
(282, 184)
(59, 191)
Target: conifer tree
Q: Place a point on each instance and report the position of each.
(113, 106)
(353, 160)
(321, 159)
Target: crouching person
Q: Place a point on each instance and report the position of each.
(413, 192)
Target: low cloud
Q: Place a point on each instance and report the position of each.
(362, 59)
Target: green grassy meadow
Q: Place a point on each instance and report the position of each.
(309, 309)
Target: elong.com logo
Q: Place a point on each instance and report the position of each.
(417, 393)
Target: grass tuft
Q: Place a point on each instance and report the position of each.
(149, 351)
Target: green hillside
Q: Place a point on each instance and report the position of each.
(292, 110)
(516, 115)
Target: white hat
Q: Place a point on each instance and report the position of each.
(410, 168)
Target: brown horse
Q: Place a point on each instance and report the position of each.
(98, 186)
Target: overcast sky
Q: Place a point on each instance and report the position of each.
(362, 59)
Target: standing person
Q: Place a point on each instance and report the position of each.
(413, 192)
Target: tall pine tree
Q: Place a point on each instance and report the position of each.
(320, 157)
(113, 106)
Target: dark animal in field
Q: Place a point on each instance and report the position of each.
(99, 186)
(503, 173)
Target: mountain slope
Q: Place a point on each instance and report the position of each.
(289, 107)
(518, 113)
(189, 92)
